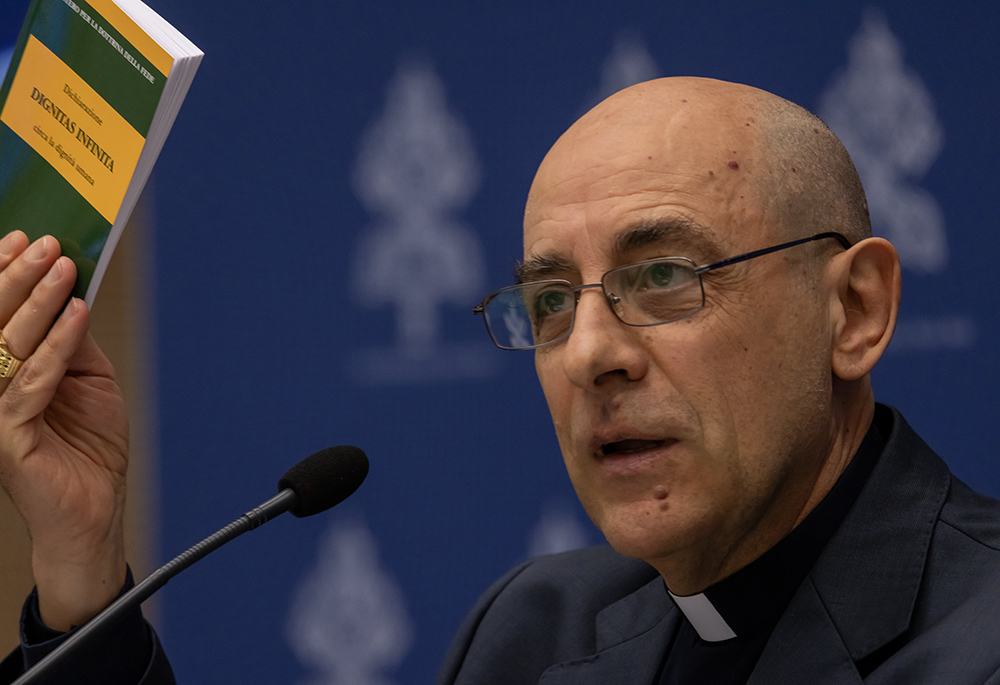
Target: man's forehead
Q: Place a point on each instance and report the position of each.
(665, 163)
(680, 236)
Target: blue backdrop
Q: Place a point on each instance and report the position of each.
(344, 182)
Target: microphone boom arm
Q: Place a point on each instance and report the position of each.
(277, 505)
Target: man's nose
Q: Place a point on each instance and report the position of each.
(601, 347)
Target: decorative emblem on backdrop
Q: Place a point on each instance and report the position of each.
(628, 63)
(415, 172)
(348, 620)
(558, 530)
(884, 114)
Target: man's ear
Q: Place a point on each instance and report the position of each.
(863, 306)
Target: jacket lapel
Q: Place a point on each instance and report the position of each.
(861, 593)
(869, 576)
(632, 637)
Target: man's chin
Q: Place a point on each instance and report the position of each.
(647, 531)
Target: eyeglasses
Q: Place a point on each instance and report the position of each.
(647, 293)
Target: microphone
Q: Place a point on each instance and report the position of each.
(317, 483)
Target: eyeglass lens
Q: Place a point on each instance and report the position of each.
(642, 294)
(655, 291)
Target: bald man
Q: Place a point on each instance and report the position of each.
(705, 303)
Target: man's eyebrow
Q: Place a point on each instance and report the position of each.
(683, 233)
(540, 267)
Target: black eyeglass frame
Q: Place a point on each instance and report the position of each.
(612, 298)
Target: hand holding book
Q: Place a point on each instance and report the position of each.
(63, 434)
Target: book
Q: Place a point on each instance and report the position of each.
(91, 93)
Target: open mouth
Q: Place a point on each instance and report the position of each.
(629, 447)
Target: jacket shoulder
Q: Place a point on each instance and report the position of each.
(963, 563)
(972, 514)
(540, 613)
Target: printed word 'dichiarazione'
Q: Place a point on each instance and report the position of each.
(52, 108)
(76, 98)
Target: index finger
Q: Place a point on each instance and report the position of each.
(22, 273)
(11, 246)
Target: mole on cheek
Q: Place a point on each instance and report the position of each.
(734, 165)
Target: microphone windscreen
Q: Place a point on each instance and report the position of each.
(325, 479)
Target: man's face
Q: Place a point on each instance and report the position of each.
(694, 442)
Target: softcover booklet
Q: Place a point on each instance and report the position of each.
(91, 93)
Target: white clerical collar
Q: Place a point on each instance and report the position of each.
(704, 617)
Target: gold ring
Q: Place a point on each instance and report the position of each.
(9, 364)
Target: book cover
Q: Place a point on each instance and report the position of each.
(82, 120)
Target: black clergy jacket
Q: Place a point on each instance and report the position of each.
(906, 591)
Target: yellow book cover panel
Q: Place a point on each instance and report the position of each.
(72, 127)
